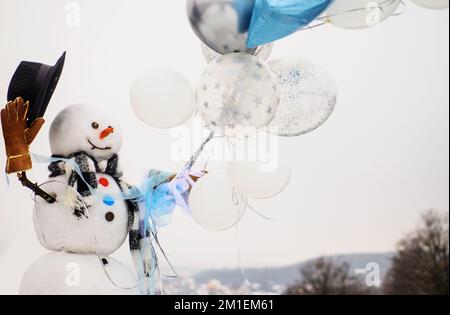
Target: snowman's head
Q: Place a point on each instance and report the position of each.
(83, 128)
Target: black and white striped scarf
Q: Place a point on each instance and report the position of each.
(89, 168)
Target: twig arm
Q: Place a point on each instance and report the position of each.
(35, 188)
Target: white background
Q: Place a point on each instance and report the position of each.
(361, 181)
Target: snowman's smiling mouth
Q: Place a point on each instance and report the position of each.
(94, 147)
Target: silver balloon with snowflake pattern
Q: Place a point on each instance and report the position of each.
(237, 94)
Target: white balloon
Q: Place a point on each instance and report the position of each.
(356, 14)
(251, 179)
(262, 53)
(215, 204)
(432, 4)
(237, 94)
(162, 98)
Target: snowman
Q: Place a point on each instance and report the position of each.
(84, 211)
(90, 219)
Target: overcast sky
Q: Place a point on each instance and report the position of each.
(360, 182)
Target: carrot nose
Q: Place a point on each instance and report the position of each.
(106, 132)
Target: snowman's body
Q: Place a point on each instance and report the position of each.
(102, 231)
(81, 243)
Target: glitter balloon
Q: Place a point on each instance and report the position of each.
(308, 98)
(262, 52)
(237, 94)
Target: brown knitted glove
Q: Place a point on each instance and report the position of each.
(17, 136)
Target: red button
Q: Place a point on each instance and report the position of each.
(104, 182)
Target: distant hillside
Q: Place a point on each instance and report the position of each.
(267, 278)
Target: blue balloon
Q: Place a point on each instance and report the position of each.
(275, 19)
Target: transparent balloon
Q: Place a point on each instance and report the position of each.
(256, 182)
(215, 203)
(357, 14)
(162, 98)
(262, 52)
(308, 98)
(237, 92)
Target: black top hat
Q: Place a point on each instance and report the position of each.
(35, 82)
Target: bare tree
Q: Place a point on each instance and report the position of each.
(420, 266)
(324, 277)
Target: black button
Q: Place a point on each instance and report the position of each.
(109, 216)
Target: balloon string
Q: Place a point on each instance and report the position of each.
(190, 164)
(258, 50)
(163, 252)
(236, 200)
(161, 287)
(405, 9)
(310, 27)
(381, 6)
(197, 154)
(171, 266)
(242, 268)
(259, 213)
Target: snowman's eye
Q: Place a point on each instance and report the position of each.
(95, 125)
